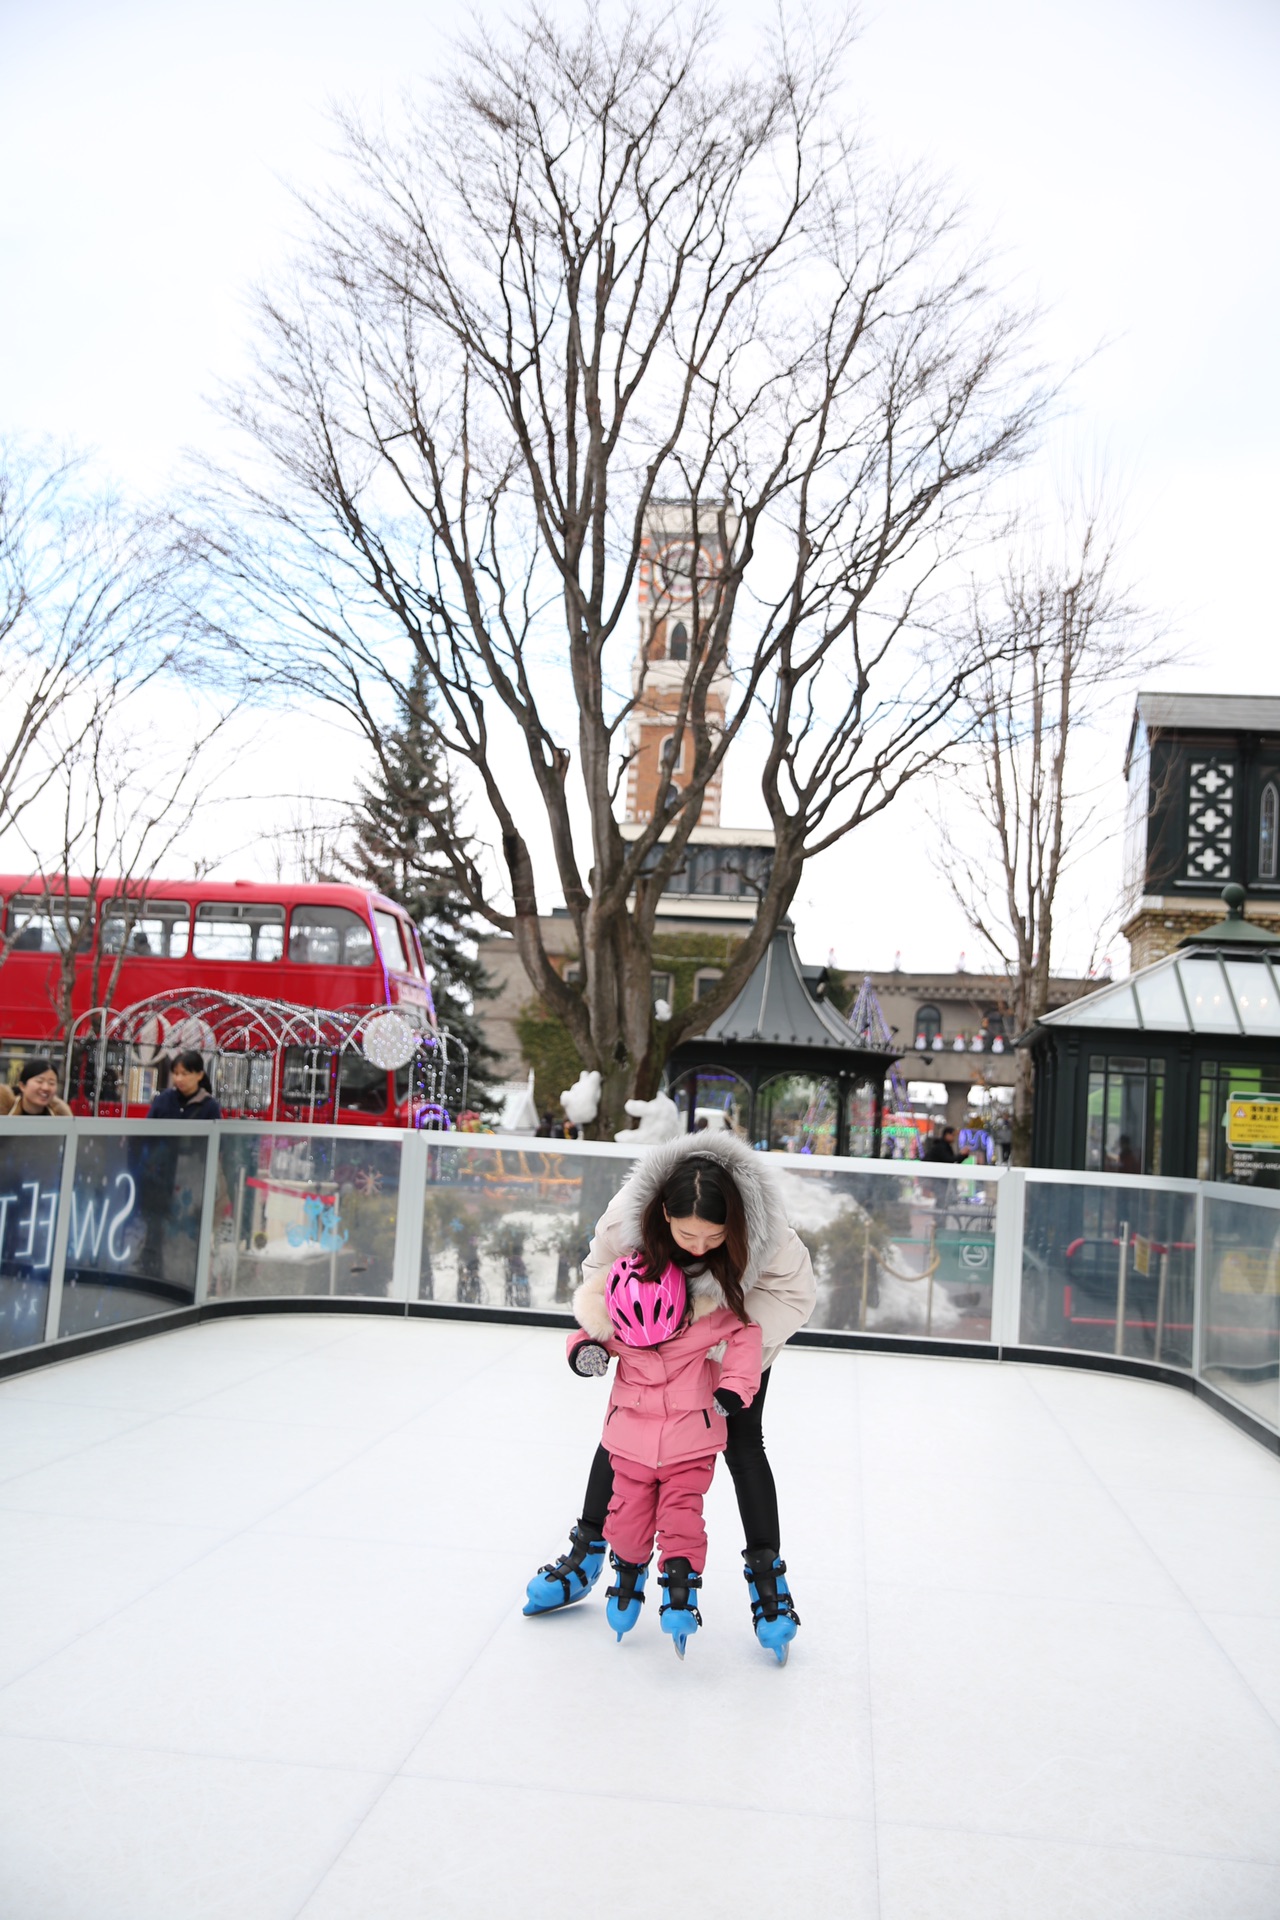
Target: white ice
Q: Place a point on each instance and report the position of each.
(262, 1655)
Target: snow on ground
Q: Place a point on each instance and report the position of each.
(262, 1655)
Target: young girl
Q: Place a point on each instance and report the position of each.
(683, 1365)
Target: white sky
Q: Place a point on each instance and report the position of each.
(1124, 154)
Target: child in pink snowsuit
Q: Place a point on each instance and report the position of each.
(662, 1432)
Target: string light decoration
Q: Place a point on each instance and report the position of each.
(389, 1042)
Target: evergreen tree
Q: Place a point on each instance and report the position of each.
(397, 851)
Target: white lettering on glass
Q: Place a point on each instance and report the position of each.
(121, 1254)
(88, 1227)
(25, 1252)
(48, 1203)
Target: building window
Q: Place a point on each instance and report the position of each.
(1211, 787)
(705, 984)
(671, 762)
(1124, 1115)
(928, 1028)
(1268, 831)
(678, 646)
(660, 987)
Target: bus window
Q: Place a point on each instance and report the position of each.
(156, 930)
(39, 925)
(329, 937)
(308, 1075)
(238, 930)
(391, 937)
(362, 1087)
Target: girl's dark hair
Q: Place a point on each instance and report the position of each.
(193, 1062)
(702, 1187)
(39, 1063)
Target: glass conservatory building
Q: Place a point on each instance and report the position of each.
(1175, 1070)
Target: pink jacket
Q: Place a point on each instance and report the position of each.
(661, 1408)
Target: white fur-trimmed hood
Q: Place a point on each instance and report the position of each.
(778, 1281)
(766, 1221)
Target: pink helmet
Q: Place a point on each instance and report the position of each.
(644, 1312)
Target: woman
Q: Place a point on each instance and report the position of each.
(189, 1094)
(720, 1212)
(36, 1094)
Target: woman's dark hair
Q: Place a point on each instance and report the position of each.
(39, 1063)
(193, 1062)
(702, 1187)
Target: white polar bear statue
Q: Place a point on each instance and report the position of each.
(659, 1120)
(581, 1101)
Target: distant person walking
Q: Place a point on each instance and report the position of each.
(942, 1146)
(189, 1094)
(35, 1095)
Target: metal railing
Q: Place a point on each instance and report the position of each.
(110, 1224)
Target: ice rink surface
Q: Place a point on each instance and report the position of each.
(262, 1653)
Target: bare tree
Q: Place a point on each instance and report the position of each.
(88, 614)
(600, 271)
(1060, 637)
(124, 799)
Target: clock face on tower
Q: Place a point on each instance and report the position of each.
(676, 566)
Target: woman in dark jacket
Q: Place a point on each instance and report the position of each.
(189, 1094)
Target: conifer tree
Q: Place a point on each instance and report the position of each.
(397, 830)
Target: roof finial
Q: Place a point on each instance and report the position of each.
(1233, 894)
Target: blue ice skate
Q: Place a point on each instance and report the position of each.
(773, 1615)
(569, 1578)
(678, 1615)
(627, 1597)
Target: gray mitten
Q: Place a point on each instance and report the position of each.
(589, 1359)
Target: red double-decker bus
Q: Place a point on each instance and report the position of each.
(317, 946)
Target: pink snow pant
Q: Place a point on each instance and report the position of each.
(662, 1500)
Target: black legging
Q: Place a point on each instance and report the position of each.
(752, 1478)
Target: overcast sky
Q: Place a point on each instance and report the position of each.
(1125, 155)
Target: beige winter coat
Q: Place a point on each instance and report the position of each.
(11, 1103)
(778, 1286)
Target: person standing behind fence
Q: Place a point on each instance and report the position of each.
(189, 1094)
(35, 1097)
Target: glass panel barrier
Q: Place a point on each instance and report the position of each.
(1240, 1347)
(305, 1214)
(30, 1181)
(509, 1225)
(1109, 1268)
(133, 1236)
(897, 1251)
(893, 1252)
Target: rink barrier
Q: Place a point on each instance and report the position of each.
(113, 1230)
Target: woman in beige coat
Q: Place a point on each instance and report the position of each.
(718, 1205)
(35, 1096)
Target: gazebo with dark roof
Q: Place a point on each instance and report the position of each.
(774, 1037)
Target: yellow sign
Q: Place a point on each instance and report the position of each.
(1254, 1123)
(1141, 1254)
(1247, 1270)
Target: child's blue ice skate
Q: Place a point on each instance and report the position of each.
(627, 1597)
(774, 1617)
(678, 1615)
(569, 1578)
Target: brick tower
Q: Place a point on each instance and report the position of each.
(671, 575)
